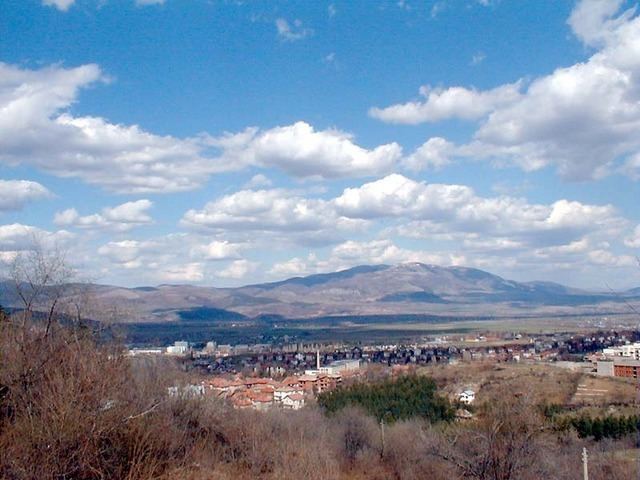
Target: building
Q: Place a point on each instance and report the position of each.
(294, 401)
(623, 367)
(467, 397)
(604, 368)
(178, 348)
(145, 351)
(340, 367)
(631, 350)
(626, 368)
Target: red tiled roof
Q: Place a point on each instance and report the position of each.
(290, 380)
(261, 398)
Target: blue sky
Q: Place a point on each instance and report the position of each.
(227, 142)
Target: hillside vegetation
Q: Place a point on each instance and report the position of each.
(392, 400)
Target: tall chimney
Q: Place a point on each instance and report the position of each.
(318, 359)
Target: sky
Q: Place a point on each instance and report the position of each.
(222, 143)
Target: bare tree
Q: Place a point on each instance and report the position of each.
(504, 444)
(40, 278)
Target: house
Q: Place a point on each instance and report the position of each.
(280, 393)
(295, 401)
(260, 400)
(467, 397)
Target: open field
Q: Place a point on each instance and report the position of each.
(356, 329)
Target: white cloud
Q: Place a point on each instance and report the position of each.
(631, 167)
(142, 3)
(217, 250)
(294, 267)
(15, 194)
(385, 252)
(178, 258)
(36, 129)
(292, 32)
(352, 253)
(302, 151)
(274, 210)
(258, 180)
(121, 218)
(633, 240)
(187, 273)
(453, 102)
(125, 252)
(583, 120)
(18, 237)
(62, 5)
(457, 208)
(592, 20)
(606, 258)
(434, 153)
(396, 195)
(238, 269)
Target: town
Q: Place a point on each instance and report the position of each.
(263, 376)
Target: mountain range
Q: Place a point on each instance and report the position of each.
(408, 288)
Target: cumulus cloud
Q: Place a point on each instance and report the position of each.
(292, 32)
(633, 240)
(445, 103)
(121, 218)
(352, 253)
(36, 129)
(607, 258)
(125, 252)
(268, 210)
(434, 153)
(62, 5)
(186, 273)
(15, 194)
(17, 237)
(593, 22)
(258, 180)
(457, 208)
(179, 258)
(302, 151)
(583, 119)
(237, 270)
(217, 250)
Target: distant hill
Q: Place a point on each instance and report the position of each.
(408, 288)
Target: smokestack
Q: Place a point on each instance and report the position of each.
(318, 359)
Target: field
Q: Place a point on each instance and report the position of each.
(355, 329)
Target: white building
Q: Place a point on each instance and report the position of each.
(145, 351)
(630, 351)
(467, 397)
(341, 367)
(178, 348)
(295, 401)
